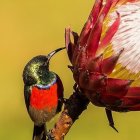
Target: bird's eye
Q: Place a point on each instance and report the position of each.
(41, 70)
(30, 80)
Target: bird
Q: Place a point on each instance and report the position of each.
(43, 93)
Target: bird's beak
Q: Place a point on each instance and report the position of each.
(49, 56)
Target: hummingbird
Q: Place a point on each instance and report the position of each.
(43, 93)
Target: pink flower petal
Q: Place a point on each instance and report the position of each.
(132, 99)
(115, 90)
(118, 87)
(91, 81)
(110, 33)
(69, 45)
(108, 64)
(90, 22)
(94, 38)
(94, 64)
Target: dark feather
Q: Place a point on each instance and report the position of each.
(60, 91)
(39, 132)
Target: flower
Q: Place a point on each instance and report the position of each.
(105, 57)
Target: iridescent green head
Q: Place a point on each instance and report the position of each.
(37, 69)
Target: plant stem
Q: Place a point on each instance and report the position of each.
(74, 106)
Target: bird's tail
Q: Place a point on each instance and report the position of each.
(39, 132)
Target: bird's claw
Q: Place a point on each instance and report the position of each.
(49, 136)
(63, 100)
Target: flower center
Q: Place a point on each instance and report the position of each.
(128, 38)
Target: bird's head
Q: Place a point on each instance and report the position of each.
(37, 69)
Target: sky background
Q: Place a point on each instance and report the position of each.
(32, 27)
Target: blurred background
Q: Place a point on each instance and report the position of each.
(29, 28)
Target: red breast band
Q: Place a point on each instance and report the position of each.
(44, 98)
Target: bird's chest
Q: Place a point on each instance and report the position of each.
(44, 98)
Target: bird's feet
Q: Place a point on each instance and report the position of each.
(49, 135)
(63, 100)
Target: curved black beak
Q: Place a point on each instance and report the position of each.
(49, 56)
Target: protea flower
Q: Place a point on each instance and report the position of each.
(105, 57)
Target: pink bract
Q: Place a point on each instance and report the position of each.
(99, 56)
